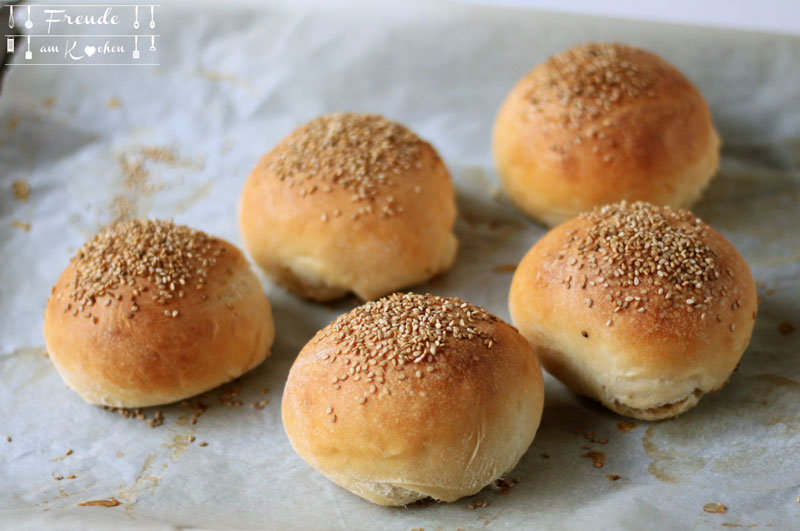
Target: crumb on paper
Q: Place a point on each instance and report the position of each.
(613, 477)
(260, 404)
(785, 328)
(137, 413)
(505, 268)
(226, 398)
(625, 426)
(157, 420)
(504, 486)
(479, 502)
(113, 502)
(715, 508)
(22, 190)
(69, 452)
(598, 458)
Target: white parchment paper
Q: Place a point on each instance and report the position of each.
(179, 140)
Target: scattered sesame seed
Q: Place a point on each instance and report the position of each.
(203, 444)
(69, 452)
(71, 476)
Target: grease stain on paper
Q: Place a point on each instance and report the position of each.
(676, 447)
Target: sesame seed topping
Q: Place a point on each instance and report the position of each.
(399, 332)
(358, 153)
(640, 252)
(586, 83)
(141, 254)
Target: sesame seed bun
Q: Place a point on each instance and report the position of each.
(413, 396)
(149, 312)
(599, 123)
(643, 308)
(350, 203)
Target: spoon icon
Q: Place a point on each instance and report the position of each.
(152, 43)
(152, 22)
(28, 23)
(136, 22)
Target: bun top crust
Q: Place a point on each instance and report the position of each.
(586, 84)
(152, 260)
(405, 331)
(652, 286)
(358, 154)
(599, 123)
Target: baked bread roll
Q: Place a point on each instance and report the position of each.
(413, 396)
(599, 123)
(149, 312)
(350, 203)
(643, 308)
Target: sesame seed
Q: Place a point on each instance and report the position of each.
(588, 302)
(584, 333)
(362, 400)
(333, 418)
(733, 327)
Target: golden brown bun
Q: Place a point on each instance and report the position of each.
(577, 296)
(599, 123)
(445, 426)
(350, 203)
(149, 312)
